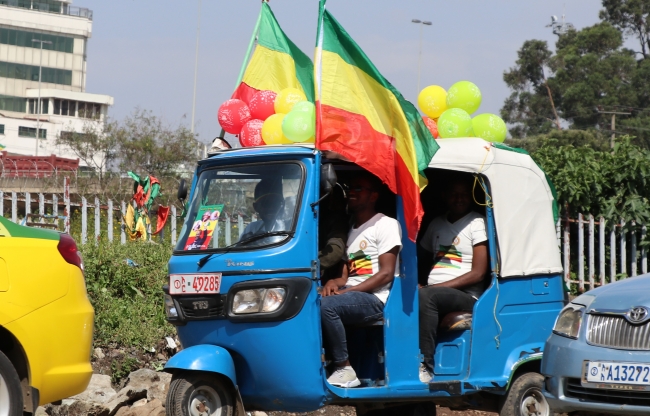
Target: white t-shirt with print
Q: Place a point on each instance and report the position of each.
(365, 244)
(453, 245)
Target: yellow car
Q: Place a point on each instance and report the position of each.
(46, 320)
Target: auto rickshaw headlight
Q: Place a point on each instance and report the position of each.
(258, 300)
(569, 320)
(170, 308)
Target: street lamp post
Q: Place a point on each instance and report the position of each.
(196, 67)
(422, 23)
(38, 104)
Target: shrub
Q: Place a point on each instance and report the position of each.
(128, 299)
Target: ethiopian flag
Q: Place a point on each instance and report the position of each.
(362, 117)
(276, 63)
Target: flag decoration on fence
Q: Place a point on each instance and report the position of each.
(138, 224)
(2, 147)
(276, 63)
(362, 117)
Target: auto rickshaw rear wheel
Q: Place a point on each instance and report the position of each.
(199, 394)
(525, 398)
(11, 395)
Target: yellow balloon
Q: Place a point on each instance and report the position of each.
(286, 98)
(272, 130)
(433, 101)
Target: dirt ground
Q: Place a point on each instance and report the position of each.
(349, 411)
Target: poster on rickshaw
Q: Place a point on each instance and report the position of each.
(207, 219)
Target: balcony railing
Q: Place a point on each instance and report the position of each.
(49, 6)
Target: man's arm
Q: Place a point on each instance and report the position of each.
(479, 269)
(385, 275)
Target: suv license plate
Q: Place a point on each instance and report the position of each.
(191, 284)
(618, 373)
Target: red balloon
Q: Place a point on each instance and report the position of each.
(233, 114)
(251, 133)
(432, 126)
(261, 104)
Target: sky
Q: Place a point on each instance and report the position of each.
(142, 52)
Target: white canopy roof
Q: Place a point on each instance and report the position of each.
(522, 199)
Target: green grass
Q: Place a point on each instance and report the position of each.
(128, 300)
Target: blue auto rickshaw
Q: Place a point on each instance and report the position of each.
(246, 307)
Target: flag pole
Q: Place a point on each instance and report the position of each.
(248, 54)
(318, 56)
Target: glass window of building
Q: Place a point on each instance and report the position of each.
(89, 110)
(2, 129)
(30, 72)
(24, 38)
(31, 132)
(9, 103)
(64, 107)
(33, 102)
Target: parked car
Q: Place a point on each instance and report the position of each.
(46, 320)
(598, 357)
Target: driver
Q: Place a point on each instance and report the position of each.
(269, 204)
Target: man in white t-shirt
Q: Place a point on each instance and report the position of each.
(458, 242)
(359, 295)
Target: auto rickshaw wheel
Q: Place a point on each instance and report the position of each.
(199, 394)
(525, 398)
(11, 395)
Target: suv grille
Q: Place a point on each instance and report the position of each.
(616, 332)
(634, 398)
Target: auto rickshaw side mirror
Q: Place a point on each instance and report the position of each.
(327, 179)
(327, 183)
(181, 194)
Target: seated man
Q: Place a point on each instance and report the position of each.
(373, 243)
(333, 232)
(459, 243)
(269, 204)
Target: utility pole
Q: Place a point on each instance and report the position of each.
(613, 128)
(196, 67)
(38, 103)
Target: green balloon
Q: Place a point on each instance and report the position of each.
(299, 126)
(454, 122)
(464, 95)
(304, 106)
(490, 127)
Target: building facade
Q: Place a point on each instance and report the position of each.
(49, 37)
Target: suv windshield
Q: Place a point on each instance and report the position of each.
(242, 206)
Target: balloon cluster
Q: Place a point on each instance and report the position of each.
(270, 118)
(448, 113)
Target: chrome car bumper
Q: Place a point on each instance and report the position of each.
(562, 366)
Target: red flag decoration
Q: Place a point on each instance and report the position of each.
(362, 117)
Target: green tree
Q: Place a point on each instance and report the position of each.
(147, 145)
(589, 75)
(95, 145)
(632, 17)
(530, 109)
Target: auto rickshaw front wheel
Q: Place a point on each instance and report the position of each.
(525, 398)
(199, 394)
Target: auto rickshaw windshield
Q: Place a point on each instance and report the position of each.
(242, 207)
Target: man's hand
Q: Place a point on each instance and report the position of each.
(330, 288)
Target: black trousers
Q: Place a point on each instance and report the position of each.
(436, 302)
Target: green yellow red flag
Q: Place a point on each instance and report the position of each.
(276, 62)
(362, 117)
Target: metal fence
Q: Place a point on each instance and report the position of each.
(619, 253)
(93, 217)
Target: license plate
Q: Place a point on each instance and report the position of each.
(182, 284)
(617, 373)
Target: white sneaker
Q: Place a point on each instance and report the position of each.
(344, 377)
(425, 374)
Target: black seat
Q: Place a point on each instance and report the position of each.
(456, 321)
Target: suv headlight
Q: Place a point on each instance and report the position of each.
(258, 300)
(569, 320)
